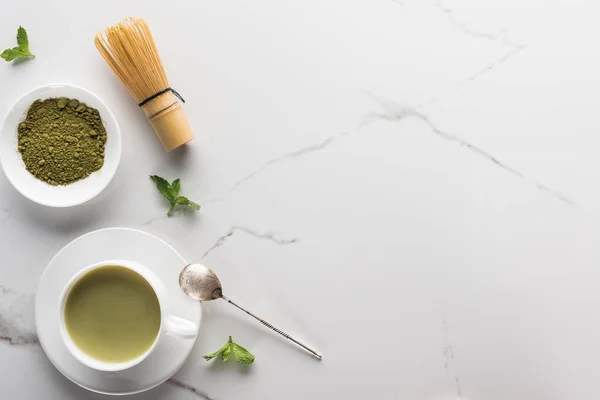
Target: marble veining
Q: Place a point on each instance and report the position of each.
(501, 35)
(448, 354)
(188, 388)
(272, 162)
(516, 48)
(395, 112)
(17, 324)
(462, 26)
(268, 236)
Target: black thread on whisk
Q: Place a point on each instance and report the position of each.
(155, 95)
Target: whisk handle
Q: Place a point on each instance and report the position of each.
(168, 120)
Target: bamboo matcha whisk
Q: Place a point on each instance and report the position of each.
(130, 51)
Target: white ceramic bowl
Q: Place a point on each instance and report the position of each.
(41, 192)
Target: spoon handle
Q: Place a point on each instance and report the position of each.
(282, 333)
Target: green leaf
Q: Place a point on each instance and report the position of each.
(209, 357)
(195, 206)
(22, 50)
(182, 200)
(242, 355)
(176, 187)
(8, 55)
(217, 353)
(163, 187)
(171, 192)
(187, 202)
(11, 54)
(226, 354)
(22, 39)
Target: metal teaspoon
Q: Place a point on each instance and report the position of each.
(202, 284)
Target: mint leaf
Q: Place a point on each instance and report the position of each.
(242, 355)
(176, 187)
(22, 39)
(213, 355)
(22, 50)
(195, 206)
(218, 352)
(170, 191)
(163, 187)
(10, 54)
(226, 354)
(187, 202)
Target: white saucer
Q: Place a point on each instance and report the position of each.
(105, 244)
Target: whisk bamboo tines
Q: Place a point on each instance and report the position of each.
(129, 49)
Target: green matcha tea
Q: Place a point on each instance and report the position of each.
(112, 314)
(62, 140)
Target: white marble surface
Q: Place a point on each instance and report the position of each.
(411, 186)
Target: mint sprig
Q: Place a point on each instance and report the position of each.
(170, 191)
(22, 50)
(242, 355)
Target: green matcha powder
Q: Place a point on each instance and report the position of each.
(62, 140)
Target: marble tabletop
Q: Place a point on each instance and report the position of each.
(410, 186)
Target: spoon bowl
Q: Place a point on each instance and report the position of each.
(200, 283)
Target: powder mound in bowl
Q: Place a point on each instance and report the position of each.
(62, 140)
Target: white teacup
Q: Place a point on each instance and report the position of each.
(170, 324)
